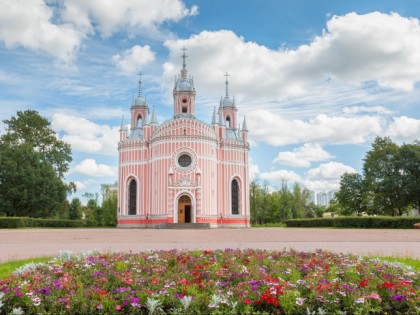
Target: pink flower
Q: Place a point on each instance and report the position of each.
(118, 307)
(374, 296)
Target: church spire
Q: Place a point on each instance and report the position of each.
(184, 65)
(140, 91)
(227, 84)
(153, 119)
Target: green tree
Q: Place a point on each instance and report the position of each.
(383, 178)
(75, 209)
(352, 194)
(408, 166)
(32, 166)
(109, 206)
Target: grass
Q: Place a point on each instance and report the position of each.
(408, 261)
(10, 266)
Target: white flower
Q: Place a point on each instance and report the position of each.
(36, 301)
(17, 311)
(299, 301)
(360, 301)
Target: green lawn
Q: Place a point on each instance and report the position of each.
(8, 267)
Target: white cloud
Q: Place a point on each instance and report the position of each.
(82, 185)
(254, 170)
(134, 58)
(91, 168)
(86, 136)
(281, 175)
(33, 24)
(112, 15)
(327, 176)
(277, 130)
(303, 156)
(29, 24)
(365, 109)
(404, 129)
(353, 49)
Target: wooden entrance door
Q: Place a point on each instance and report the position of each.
(184, 209)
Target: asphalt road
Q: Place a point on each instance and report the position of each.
(27, 243)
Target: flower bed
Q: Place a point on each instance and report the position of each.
(211, 282)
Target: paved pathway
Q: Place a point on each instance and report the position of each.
(26, 243)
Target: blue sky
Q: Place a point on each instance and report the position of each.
(317, 80)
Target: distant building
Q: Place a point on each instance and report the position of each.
(110, 191)
(321, 198)
(184, 170)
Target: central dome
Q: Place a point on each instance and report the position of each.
(184, 85)
(227, 101)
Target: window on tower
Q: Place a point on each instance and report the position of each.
(228, 122)
(139, 121)
(184, 109)
(132, 197)
(235, 197)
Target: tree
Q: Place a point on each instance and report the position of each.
(33, 162)
(407, 162)
(109, 206)
(75, 209)
(383, 177)
(351, 195)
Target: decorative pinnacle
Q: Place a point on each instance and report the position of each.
(214, 116)
(184, 66)
(140, 74)
(227, 84)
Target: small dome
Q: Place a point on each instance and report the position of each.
(140, 101)
(227, 101)
(184, 85)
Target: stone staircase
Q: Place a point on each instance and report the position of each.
(183, 226)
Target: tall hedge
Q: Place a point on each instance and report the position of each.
(25, 222)
(357, 222)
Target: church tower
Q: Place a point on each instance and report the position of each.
(184, 92)
(139, 109)
(228, 108)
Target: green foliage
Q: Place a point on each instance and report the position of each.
(26, 222)
(390, 184)
(357, 222)
(32, 166)
(75, 211)
(278, 206)
(10, 266)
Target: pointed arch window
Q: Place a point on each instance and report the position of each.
(132, 197)
(139, 121)
(228, 121)
(235, 196)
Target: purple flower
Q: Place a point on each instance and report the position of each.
(398, 298)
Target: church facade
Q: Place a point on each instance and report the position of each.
(183, 170)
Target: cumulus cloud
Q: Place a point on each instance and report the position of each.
(277, 130)
(86, 136)
(404, 129)
(91, 168)
(58, 27)
(254, 170)
(326, 177)
(133, 59)
(353, 49)
(113, 15)
(303, 156)
(279, 176)
(82, 185)
(29, 24)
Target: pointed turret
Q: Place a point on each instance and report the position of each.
(153, 119)
(244, 126)
(123, 130)
(221, 120)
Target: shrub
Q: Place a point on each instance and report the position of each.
(357, 222)
(24, 222)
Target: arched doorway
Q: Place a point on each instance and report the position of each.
(184, 209)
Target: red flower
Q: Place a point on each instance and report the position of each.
(388, 285)
(247, 301)
(364, 283)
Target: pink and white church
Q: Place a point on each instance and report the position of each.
(183, 170)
